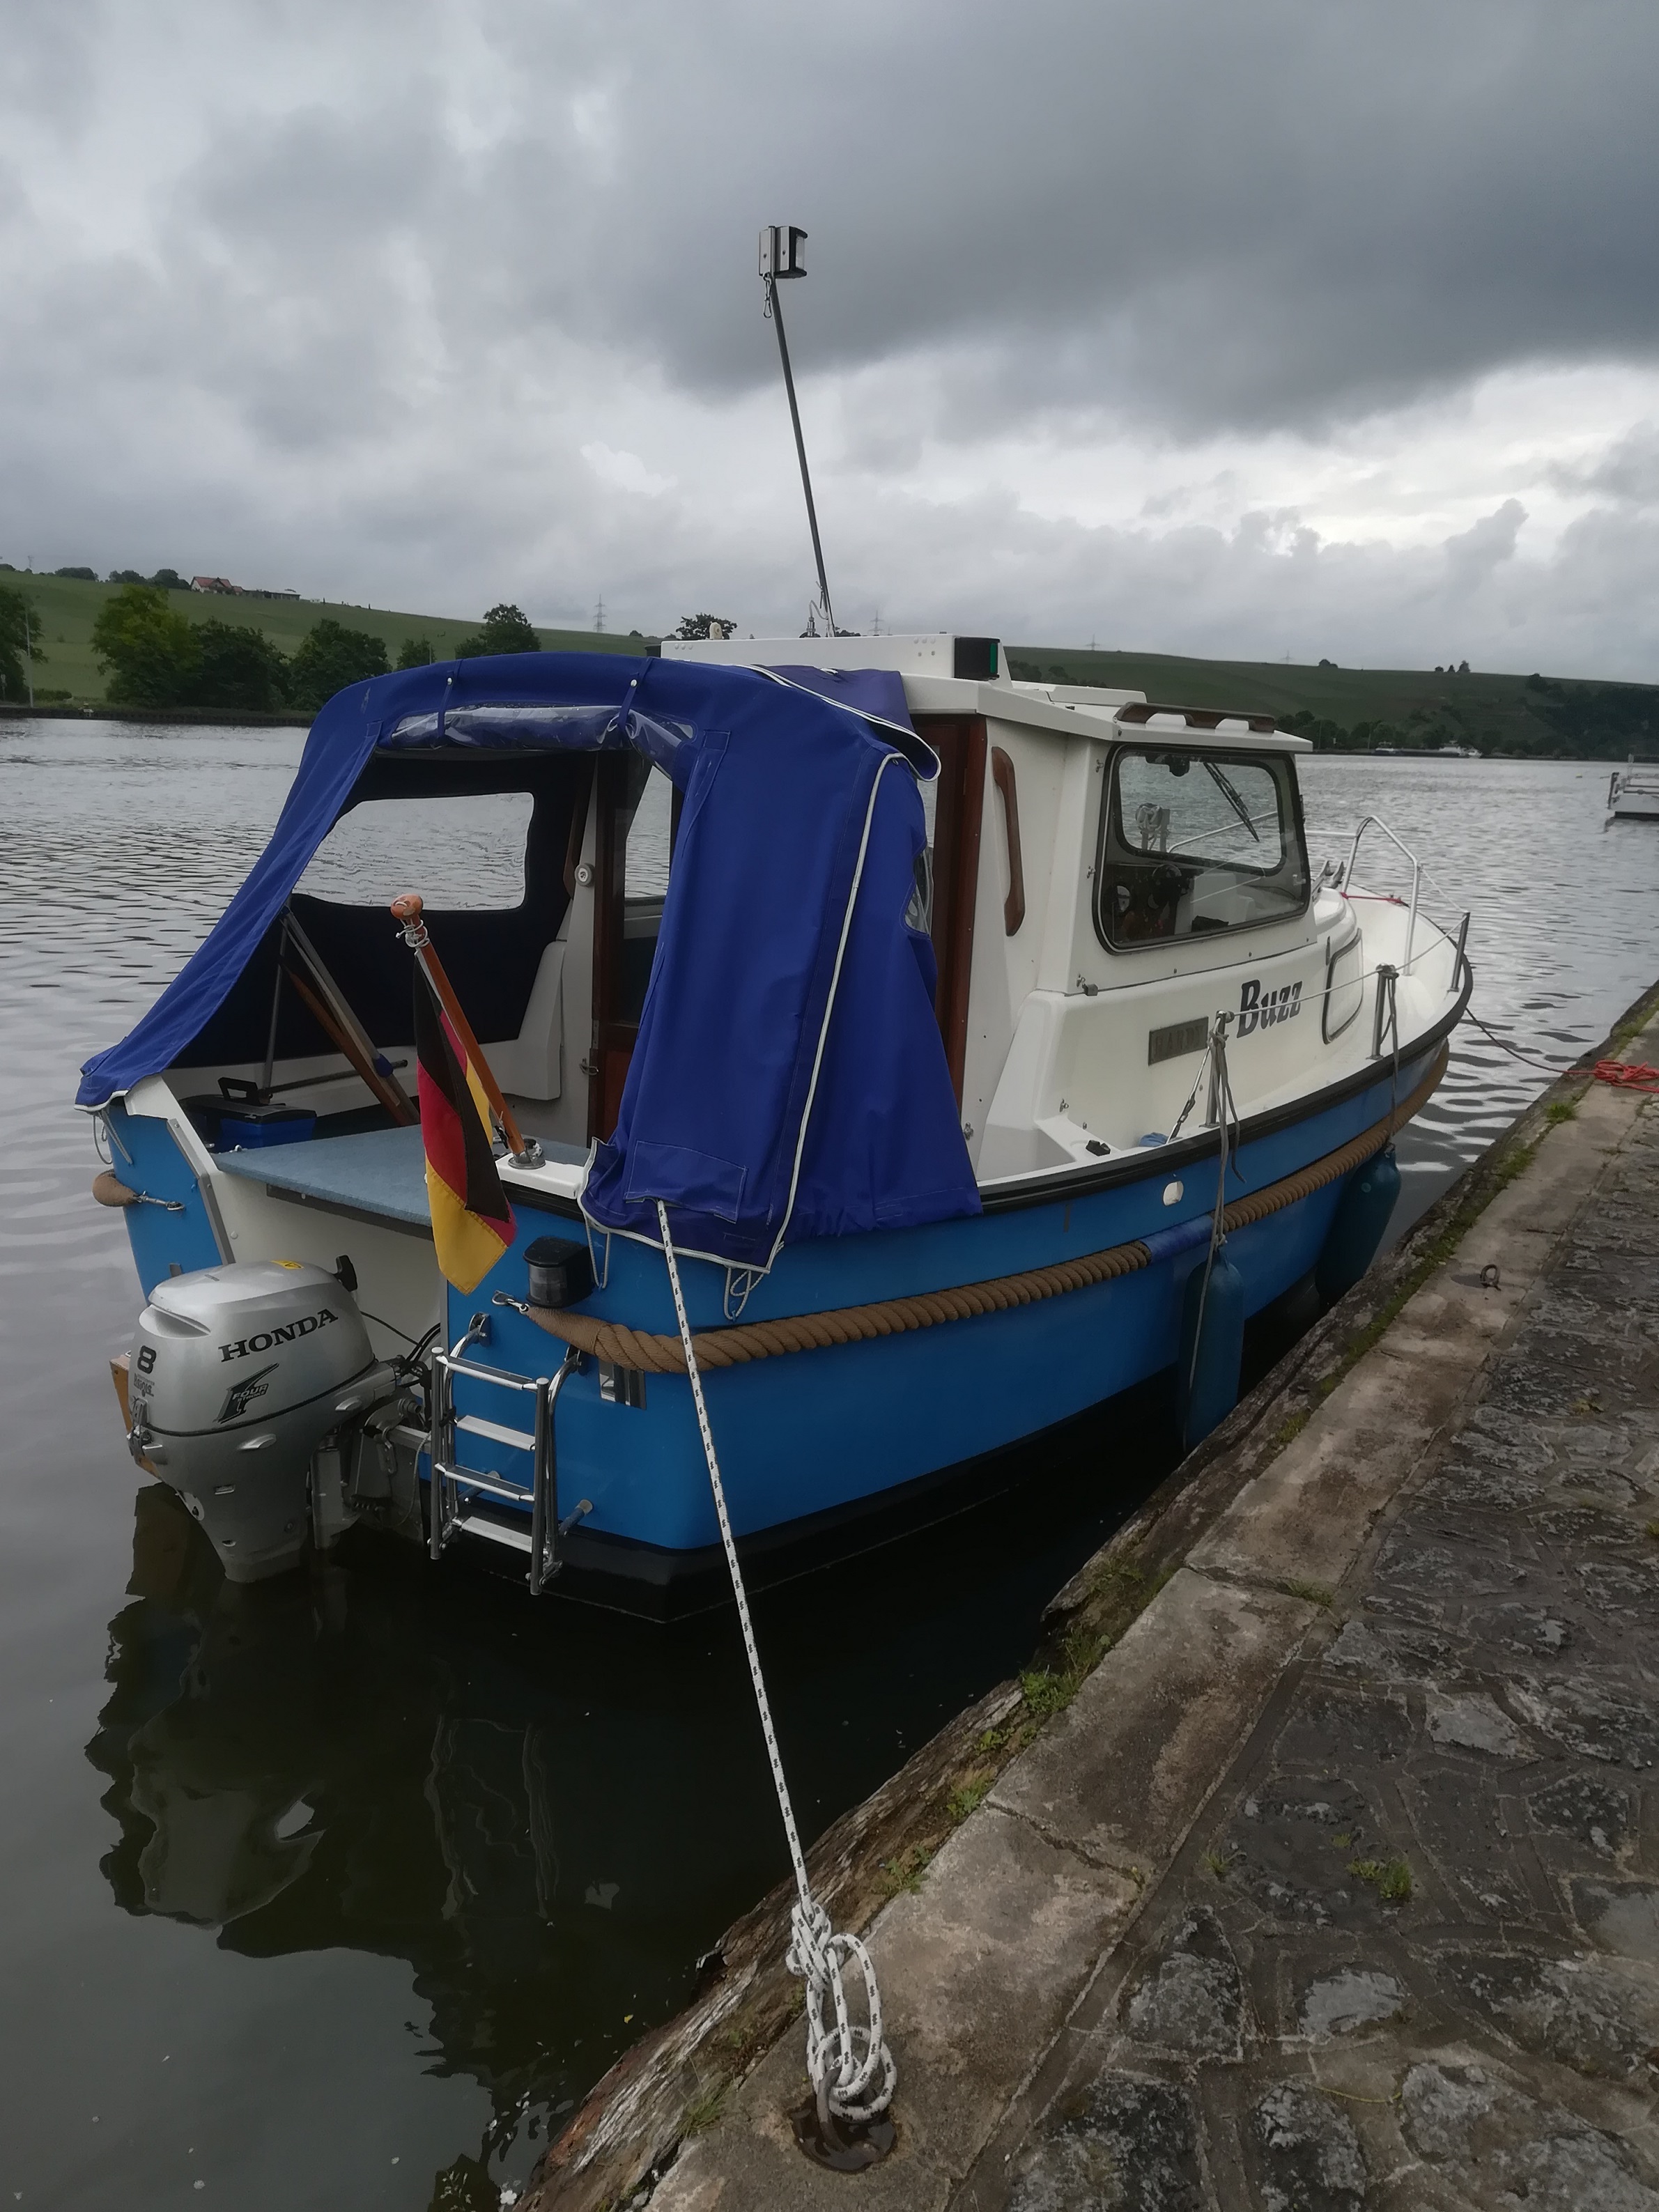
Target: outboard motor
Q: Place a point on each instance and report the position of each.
(237, 1376)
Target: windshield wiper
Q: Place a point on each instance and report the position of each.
(1232, 799)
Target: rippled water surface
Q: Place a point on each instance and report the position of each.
(340, 1891)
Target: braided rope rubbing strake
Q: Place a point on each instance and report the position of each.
(642, 1349)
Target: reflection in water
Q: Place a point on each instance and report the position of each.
(549, 1812)
(327, 1761)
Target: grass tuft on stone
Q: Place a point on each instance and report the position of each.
(1314, 1593)
(1390, 1878)
(905, 1872)
(967, 1797)
(702, 2112)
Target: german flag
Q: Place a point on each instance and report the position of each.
(472, 1220)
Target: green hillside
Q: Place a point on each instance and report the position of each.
(1340, 708)
(1351, 708)
(68, 607)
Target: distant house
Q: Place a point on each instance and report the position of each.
(216, 584)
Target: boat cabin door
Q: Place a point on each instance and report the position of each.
(636, 813)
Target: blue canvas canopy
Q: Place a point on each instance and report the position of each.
(789, 1079)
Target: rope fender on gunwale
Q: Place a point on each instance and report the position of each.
(644, 1350)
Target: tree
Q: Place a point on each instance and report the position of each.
(19, 626)
(416, 652)
(240, 668)
(328, 658)
(704, 626)
(169, 580)
(151, 656)
(125, 576)
(80, 575)
(505, 629)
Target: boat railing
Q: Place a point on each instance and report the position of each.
(1345, 877)
(1375, 822)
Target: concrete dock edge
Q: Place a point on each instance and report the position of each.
(1001, 1874)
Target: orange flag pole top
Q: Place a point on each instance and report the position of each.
(409, 911)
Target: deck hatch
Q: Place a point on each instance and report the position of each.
(1176, 1040)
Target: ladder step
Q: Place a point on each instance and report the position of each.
(475, 1426)
(474, 1524)
(488, 1485)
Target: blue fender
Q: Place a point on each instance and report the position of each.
(1363, 1214)
(1212, 1353)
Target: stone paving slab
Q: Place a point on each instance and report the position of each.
(1410, 1957)
(1119, 1775)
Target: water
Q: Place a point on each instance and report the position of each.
(1565, 932)
(343, 1890)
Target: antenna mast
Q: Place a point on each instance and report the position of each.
(780, 259)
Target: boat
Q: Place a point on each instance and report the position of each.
(1633, 793)
(993, 1050)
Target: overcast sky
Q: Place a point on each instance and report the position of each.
(1236, 327)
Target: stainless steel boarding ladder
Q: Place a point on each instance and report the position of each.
(452, 1483)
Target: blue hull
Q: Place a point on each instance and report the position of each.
(809, 1439)
(821, 1432)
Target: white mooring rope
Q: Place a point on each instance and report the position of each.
(850, 2067)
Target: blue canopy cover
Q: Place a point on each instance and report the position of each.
(789, 1079)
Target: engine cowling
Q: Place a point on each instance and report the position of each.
(234, 1376)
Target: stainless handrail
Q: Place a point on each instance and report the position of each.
(545, 1525)
(1375, 822)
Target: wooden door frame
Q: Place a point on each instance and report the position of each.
(958, 818)
(611, 1044)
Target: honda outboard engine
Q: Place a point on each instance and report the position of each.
(237, 1374)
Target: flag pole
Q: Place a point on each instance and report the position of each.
(409, 912)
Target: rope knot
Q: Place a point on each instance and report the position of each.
(848, 2062)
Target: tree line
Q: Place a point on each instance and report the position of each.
(19, 631)
(154, 657)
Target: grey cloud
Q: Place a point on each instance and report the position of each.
(50, 58)
(1208, 214)
(1219, 214)
(1627, 471)
(1472, 554)
(406, 255)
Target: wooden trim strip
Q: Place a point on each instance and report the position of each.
(1013, 907)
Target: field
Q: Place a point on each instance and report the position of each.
(1339, 707)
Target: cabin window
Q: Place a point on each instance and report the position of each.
(1193, 841)
(463, 852)
(646, 869)
(645, 886)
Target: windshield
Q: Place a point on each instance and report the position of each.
(1196, 841)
